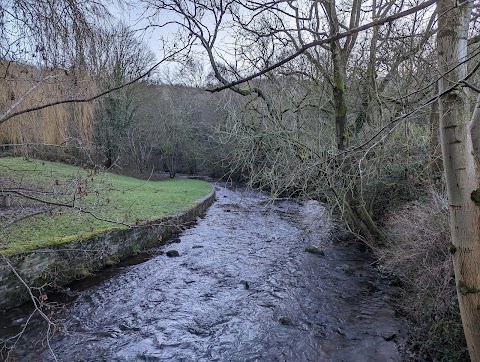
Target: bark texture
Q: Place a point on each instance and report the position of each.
(461, 166)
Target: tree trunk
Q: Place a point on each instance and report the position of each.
(436, 163)
(355, 205)
(172, 165)
(461, 166)
(339, 99)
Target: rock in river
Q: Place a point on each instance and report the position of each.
(172, 253)
(314, 250)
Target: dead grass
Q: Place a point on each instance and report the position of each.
(417, 253)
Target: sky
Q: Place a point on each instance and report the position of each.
(135, 17)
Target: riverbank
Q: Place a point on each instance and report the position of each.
(62, 222)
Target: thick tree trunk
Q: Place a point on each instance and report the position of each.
(461, 167)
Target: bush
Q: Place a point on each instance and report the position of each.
(417, 254)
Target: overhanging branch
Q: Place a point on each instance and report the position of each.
(331, 39)
(99, 95)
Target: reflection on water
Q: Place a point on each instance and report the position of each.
(242, 289)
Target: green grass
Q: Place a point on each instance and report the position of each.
(124, 200)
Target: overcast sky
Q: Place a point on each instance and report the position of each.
(136, 18)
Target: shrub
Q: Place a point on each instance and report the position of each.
(417, 254)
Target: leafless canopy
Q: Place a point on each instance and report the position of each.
(48, 32)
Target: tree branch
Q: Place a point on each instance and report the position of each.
(336, 37)
(70, 206)
(6, 117)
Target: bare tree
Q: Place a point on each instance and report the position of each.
(321, 41)
(122, 59)
(48, 35)
(327, 42)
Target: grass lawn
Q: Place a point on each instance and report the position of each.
(95, 197)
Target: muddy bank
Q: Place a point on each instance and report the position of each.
(242, 288)
(63, 263)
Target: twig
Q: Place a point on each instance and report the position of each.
(7, 225)
(34, 301)
(19, 335)
(71, 206)
(5, 118)
(336, 37)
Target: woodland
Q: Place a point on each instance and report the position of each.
(372, 107)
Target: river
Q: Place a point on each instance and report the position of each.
(242, 289)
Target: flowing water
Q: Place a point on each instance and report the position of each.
(242, 289)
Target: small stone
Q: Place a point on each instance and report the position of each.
(177, 240)
(196, 330)
(390, 337)
(267, 305)
(347, 269)
(172, 253)
(314, 250)
(285, 321)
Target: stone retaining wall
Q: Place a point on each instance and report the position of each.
(62, 264)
